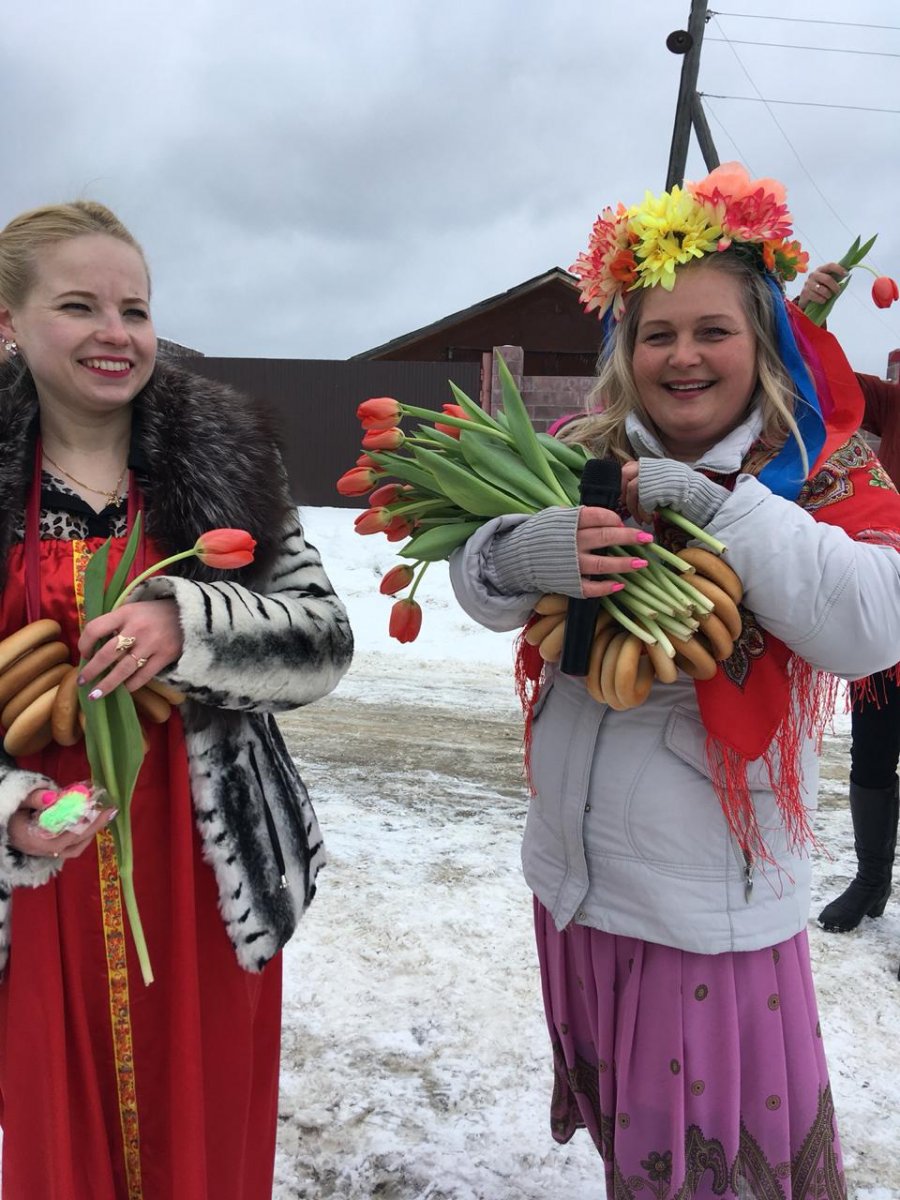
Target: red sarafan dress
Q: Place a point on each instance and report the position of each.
(110, 1089)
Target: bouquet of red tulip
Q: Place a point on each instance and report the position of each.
(112, 731)
(464, 466)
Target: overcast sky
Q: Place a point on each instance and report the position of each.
(312, 179)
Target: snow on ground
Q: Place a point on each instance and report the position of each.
(416, 1062)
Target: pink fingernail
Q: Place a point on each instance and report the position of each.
(617, 587)
(639, 562)
(111, 815)
(96, 694)
(645, 537)
(80, 681)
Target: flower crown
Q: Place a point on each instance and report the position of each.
(641, 246)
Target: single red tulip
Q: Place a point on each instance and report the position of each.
(365, 461)
(398, 529)
(225, 548)
(884, 291)
(396, 579)
(452, 410)
(406, 621)
(381, 412)
(383, 439)
(357, 481)
(388, 493)
(373, 520)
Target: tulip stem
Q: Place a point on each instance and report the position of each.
(418, 579)
(151, 571)
(442, 418)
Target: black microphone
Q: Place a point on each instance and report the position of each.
(601, 486)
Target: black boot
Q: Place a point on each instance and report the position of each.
(874, 812)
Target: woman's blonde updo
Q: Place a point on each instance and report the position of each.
(615, 395)
(39, 227)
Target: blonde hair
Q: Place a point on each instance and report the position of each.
(39, 227)
(615, 394)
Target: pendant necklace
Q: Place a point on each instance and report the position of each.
(112, 498)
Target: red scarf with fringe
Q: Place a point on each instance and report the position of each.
(766, 701)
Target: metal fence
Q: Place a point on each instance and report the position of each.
(315, 402)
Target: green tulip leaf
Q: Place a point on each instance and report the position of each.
(117, 583)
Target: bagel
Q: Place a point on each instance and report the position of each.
(151, 705)
(40, 740)
(604, 619)
(28, 666)
(634, 675)
(27, 733)
(47, 679)
(719, 572)
(693, 658)
(721, 643)
(608, 670)
(664, 667)
(598, 649)
(25, 639)
(550, 646)
(64, 719)
(535, 633)
(723, 605)
(165, 690)
(553, 602)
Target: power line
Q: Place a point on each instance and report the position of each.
(783, 133)
(791, 46)
(803, 20)
(718, 120)
(800, 103)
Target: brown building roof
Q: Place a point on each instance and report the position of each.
(543, 315)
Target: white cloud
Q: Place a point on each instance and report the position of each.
(309, 180)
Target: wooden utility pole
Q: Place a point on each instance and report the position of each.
(688, 110)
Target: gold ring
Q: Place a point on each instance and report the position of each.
(141, 662)
(124, 642)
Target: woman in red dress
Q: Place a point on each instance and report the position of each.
(110, 1088)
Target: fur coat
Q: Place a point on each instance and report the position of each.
(266, 638)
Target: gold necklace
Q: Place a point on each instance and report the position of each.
(111, 498)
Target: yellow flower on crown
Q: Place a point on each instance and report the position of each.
(670, 230)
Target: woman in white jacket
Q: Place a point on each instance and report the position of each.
(667, 845)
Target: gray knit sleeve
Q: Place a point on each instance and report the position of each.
(666, 483)
(539, 555)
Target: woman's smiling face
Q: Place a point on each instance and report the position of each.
(84, 329)
(694, 360)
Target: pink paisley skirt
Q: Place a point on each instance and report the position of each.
(696, 1075)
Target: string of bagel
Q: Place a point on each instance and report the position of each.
(626, 661)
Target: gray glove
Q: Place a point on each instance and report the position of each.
(540, 555)
(667, 483)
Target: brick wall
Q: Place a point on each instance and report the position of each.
(546, 397)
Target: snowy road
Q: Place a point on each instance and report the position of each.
(416, 1061)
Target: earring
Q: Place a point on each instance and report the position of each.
(11, 348)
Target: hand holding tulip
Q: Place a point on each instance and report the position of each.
(822, 284)
(158, 641)
(826, 283)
